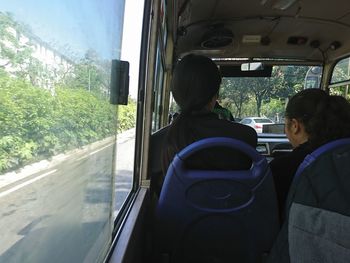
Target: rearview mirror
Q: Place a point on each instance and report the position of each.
(232, 71)
(252, 66)
(119, 91)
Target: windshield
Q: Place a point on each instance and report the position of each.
(266, 97)
(263, 121)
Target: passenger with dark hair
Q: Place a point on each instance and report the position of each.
(312, 118)
(195, 87)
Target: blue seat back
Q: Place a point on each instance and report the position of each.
(216, 215)
(317, 209)
(310, 158)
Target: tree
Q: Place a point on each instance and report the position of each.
(341, 71)
(294, 79)
(242, 90)
(341, 74)
(265, 88)
(235, 90)
(273, 109)
(91, 74)
(127, 115)
(16, 51)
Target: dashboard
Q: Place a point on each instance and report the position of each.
(272, 145)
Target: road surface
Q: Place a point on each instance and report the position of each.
(45, 215)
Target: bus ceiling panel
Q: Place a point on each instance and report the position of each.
(258, 30)
(345, 19)
(289, 40)
(192, 11)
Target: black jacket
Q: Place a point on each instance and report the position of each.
(283, 169)
(206, 125)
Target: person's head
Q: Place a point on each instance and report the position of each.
(313, 115)
(196, 82)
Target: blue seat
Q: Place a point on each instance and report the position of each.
(216, 216)
(310, 158)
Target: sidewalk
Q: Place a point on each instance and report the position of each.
(126, 135)
(30, 169)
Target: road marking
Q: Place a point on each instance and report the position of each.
(26, 183)
(85, 156)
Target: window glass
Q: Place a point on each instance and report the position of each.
(266, 97)
(313, 78)
(158, 91)
(174, 109)
(341, 71)
(58, 129)
(263, 121)
(131, 45)
(343, 90)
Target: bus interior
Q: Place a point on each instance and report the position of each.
(253, 41)
(101, 206)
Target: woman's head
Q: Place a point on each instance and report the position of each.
(196, 81)
(313, 115)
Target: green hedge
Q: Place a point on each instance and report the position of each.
(127, 116)
(36, 124)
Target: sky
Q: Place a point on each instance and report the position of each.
(74, 26)
(132, 41)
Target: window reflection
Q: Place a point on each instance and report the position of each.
(341, 71)
(58, 130)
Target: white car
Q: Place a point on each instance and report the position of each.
(256, 122)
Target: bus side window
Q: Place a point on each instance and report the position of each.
(340, 79)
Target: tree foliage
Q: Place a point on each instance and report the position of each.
(90, 73)
(15, 50)
(36, 124)
(39, 120)
(127, 116)
(262, 95)
(235, 94)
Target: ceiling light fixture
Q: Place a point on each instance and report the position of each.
(283, 4)
(217, 37)
(335, 45)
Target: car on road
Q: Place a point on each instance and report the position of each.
(256, 122)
